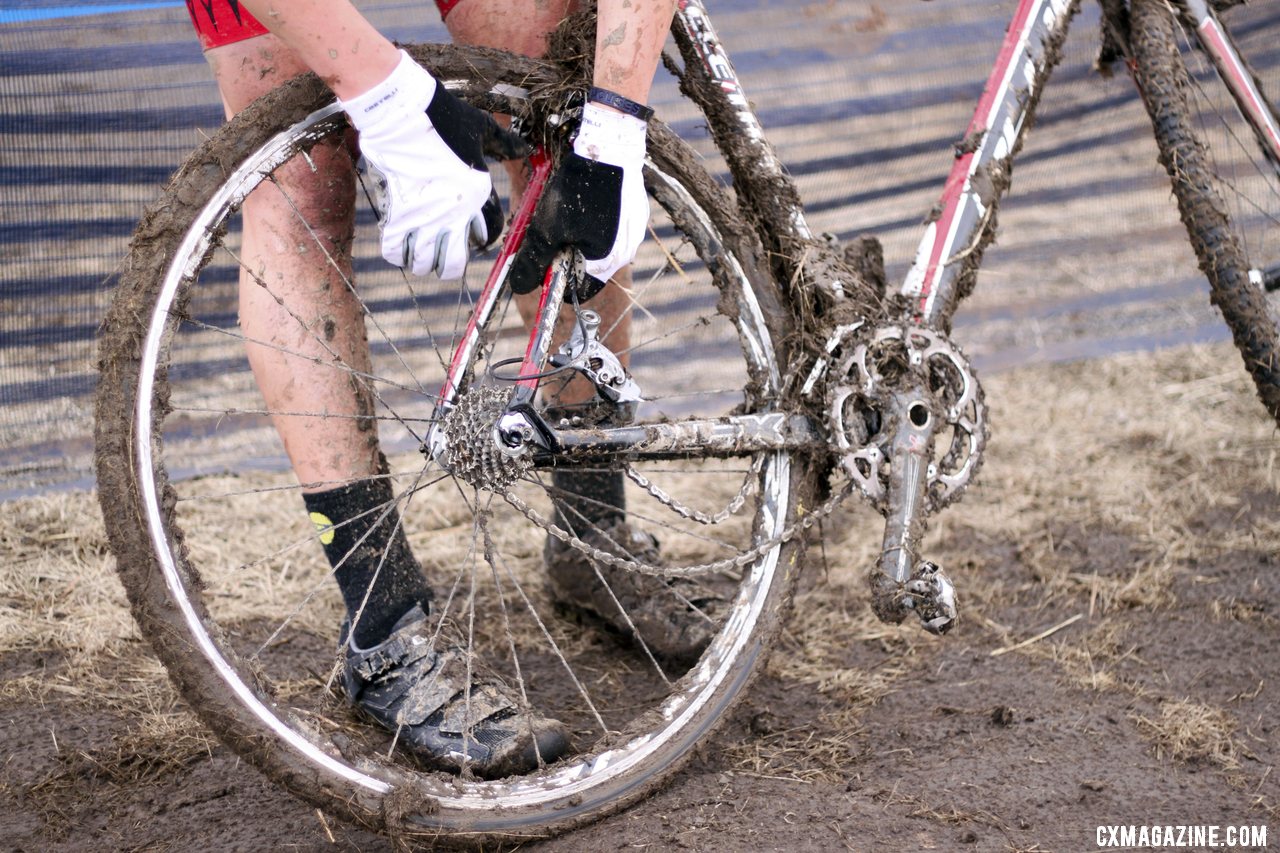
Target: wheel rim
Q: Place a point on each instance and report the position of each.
(692, 704)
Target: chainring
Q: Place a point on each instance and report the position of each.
(860, 410)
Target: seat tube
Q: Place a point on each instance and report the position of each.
(540, 165)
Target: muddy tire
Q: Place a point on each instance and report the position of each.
(1228, 193)
(178, 459)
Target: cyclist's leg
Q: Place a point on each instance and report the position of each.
(297, 309)
(307, 346)
(309, 352)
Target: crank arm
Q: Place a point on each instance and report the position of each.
(901, 583)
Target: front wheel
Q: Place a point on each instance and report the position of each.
(221, 563)
(1226, 179)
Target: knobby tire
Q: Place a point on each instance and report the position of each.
(1166, 88)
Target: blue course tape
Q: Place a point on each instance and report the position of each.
(49, 12)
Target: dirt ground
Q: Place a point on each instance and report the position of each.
(1114, 666)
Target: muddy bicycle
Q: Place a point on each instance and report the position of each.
(812, 386)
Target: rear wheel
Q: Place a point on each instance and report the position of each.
(221, 563)
(1227, 180)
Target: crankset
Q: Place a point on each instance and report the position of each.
(908, 424)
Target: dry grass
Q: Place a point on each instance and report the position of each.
(814, 657)
(1126, 449)
(1092, 662)
(59, 595)
(158, 748)
(947, 815)
(1190, 731)
(1096, 476)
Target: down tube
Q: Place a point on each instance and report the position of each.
(953, 243)
(1231, 68)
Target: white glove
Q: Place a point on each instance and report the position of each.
(594, 202)
(619, 140)
(422, 149)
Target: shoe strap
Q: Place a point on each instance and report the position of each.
(399, 651)
(444, 689)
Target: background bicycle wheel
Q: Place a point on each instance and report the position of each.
(1142, 504)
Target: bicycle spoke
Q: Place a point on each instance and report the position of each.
(346, 281)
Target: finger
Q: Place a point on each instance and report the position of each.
(529, 269)
(502, 144)
(486, 227)
(419, 253)
(451, 254)
(374, 181)
(600, 271)
(589, 286)
(477, 232)
(403, 255)
(631, 232)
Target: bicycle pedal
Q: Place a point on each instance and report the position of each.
(933, 597)
(928, 593)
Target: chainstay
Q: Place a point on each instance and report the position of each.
(741, 561)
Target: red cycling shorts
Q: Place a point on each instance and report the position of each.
(221, 22)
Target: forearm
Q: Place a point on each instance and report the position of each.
(629, 41)
(333, 39)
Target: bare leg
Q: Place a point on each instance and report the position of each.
(296, 303)
(309, 351)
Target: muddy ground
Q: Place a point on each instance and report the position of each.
(1115, 664)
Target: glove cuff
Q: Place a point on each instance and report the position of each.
(405, 94)
(610, 137)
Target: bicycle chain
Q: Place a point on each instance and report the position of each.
(741, 561)
(680, 509)
(469, 426)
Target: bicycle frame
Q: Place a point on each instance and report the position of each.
(953, 241)
(1234, 72)
(943, 272)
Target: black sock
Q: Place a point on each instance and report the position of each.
(344, 516)
(586, 499)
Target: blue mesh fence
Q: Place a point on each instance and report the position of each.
(98, 105)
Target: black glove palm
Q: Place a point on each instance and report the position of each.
(580, 207)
